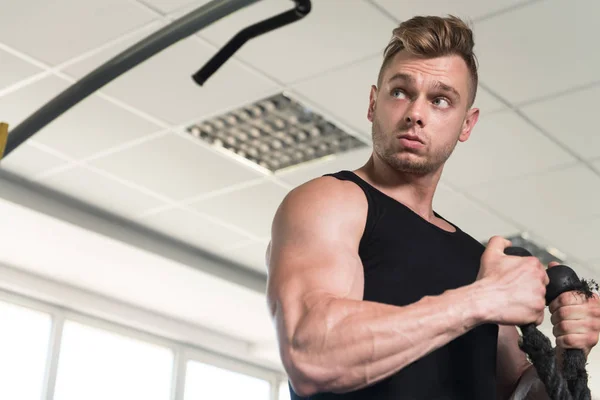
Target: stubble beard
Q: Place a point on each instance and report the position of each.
(403, 161)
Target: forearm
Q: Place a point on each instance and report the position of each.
(344, 345)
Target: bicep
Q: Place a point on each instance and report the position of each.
(511, 361)
(313, 254)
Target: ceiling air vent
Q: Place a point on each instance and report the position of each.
(546, 254)
(275, 133)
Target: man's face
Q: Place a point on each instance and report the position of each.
(420, 112)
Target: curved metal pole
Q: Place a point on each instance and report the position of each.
(136, 54)
(301, 10)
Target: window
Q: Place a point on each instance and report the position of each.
(24, 339)
(284, 391)
(205, 381)
(97, 365)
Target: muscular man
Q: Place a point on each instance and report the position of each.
(376, 296)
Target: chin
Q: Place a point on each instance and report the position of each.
(411, 163)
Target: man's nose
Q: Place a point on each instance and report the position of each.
(415, 114)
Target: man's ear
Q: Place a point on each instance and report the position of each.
(372, 99)
(469, 123)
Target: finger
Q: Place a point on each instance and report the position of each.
(546, 278)
(498, 243)
(567, 299)
(581, 341)
(569, 313)
(594, 299)
(540, 320)
(570, 327)
(553, 264)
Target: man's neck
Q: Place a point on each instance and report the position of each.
(414, 191)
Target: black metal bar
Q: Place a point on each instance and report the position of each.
(136, 54)
(302, 8)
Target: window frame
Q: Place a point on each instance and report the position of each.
(183, 352)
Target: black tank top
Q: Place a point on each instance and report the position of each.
(406, 258)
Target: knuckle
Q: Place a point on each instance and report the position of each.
(593, 325)
(562, 300)
(541, 304)
(588, 324)
(560, 328)
(534, 262)
(561, 313)
(569, 341)
(555, 331)
(542, 294)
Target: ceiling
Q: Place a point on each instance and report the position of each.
(532, 163)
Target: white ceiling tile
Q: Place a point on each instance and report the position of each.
(100, 191)
(577, 238)
(486, 102)
(591, 268)
(193, 229)
(344, 92)
(468, 9)
(176, 167)
(571, 119)
(29, 161)
(320, 41)
(521, 69)
(469, 216)
(502, 145)
(92, 126)
(251, 254)
(62, 29)
(20, 104)
(168, 6)
(162, 86)
(14, 69)
(251, 208)
(541, 201)
(304, 173)
(81, 67)
(587, 270)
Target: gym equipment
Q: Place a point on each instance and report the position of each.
(302, 9)
(146, 48)
(571, 384)
(3, 138)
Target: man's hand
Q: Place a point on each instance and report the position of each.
(576, 320)
(514, 287)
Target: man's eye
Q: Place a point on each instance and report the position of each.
(398, 93)
(441, 102)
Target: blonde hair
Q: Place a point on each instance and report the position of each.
(434, 36)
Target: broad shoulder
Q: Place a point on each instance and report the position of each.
(322, 213)
(325, 197)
